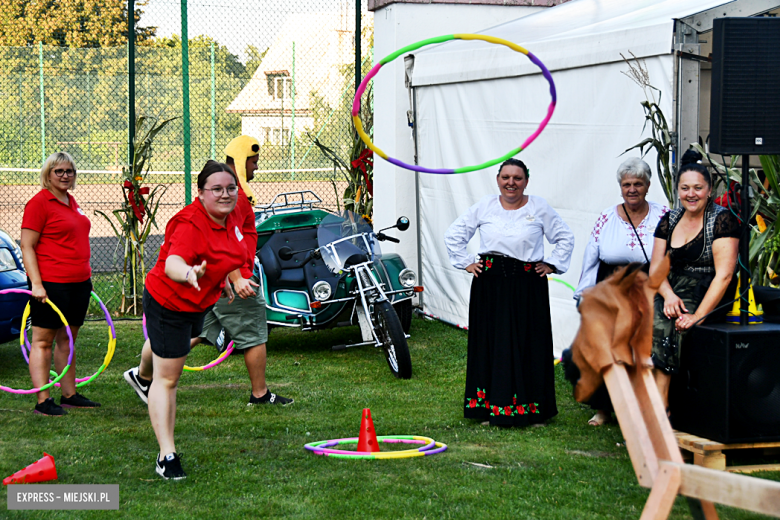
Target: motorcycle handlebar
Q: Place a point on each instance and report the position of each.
(382, 237)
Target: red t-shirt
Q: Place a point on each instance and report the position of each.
(192, 235)
(63, 247)
(249, 230)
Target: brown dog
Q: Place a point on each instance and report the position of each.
(617, 324)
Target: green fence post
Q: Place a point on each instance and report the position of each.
(43, 109)
(131, 84)
(89, 122)
(213, 107)
(292, 121)
(21, 127)
(185, 91)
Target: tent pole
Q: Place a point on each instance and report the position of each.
(292, 120)
(417, 196)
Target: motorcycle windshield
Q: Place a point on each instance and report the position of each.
(346, 239)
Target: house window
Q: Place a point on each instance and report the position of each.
(280, 85)
(277, 136)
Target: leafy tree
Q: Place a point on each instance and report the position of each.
(68, 23)
(255, 57)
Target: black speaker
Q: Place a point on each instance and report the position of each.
(728, 387)
(745, 104)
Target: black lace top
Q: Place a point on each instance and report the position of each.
(696, 255)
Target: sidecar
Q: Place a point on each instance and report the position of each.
(291, 221)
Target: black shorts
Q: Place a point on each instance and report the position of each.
(170, 331)
(70, 298)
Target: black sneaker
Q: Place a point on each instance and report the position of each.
(270, 398)
(170, 467)
(134, 380)
(49, 407)
(77, 401)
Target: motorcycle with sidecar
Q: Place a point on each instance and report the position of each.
(322, 270)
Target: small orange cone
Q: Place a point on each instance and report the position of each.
(40, 471)
(367, 439)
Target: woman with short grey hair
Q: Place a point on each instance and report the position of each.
(622, 234)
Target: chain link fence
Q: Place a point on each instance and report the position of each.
(283, 74)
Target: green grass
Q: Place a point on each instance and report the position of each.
(249, 462)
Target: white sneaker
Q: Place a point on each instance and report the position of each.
(131, 376)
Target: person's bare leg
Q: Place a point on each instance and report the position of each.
(162, 400)
(255, 360)
(146, 366)
(662, 381)
(40, 359)
(61, 354)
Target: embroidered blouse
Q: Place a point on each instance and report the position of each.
(613, 241)
(516, 233)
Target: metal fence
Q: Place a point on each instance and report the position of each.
(283, 74)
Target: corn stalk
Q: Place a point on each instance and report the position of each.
(136, 217)
(661, 140)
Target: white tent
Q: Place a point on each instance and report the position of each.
(475, 101)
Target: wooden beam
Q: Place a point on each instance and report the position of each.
(662, 495)
(638, 443)
(654, 414)
(749, 493)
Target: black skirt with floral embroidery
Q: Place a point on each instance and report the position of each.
(510, 375)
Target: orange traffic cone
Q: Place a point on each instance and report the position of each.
(40, 471)
(367, 439)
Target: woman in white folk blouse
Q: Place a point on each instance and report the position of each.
(623, 234)
(509, 375)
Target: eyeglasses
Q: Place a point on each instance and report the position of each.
(219, 190)
(65, 173)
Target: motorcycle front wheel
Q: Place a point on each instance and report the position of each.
(391, 334)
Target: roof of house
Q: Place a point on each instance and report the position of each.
(324, 46)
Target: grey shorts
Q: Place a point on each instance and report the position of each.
(243, 320)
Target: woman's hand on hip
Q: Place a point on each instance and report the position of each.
(674, 307)
(39, 293)
(475, 268)
(543, 269)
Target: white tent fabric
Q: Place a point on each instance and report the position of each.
(476, 101)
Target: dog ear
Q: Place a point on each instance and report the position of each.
(628, 277)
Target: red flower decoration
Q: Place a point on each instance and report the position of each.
(514, 401)
(487, 404)
(521, 410)
(480, 394)
(473, 403)
(532, 407)
(507, 410)
(527, 267)
(496, 410)
(488, 263)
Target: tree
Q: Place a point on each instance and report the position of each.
(254, 58)
(68, 23)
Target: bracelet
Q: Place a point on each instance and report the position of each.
(187, 276)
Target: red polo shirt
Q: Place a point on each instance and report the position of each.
(192, 235)
(249, 231)
(63, 247)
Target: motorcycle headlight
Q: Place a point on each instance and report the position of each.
(321, 290)
(408, 278)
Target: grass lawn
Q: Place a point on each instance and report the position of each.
(247, 462)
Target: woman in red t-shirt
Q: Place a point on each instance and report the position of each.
(203, 243)
(55, 247)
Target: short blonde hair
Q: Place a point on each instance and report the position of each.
(51, 162)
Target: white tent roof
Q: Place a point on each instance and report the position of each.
(575, 34)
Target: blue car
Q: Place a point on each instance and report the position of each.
(12, 276)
